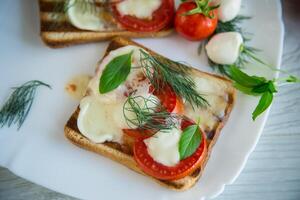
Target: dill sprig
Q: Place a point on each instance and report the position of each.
(18, 105)
(232, 26)
(161, 71)
(247, 55)
(148, 114)
(88, 6)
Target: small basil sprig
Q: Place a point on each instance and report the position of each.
(190, 140)
(115, 73)
(257, 86)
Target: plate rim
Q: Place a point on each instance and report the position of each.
(266, 115)
(246, 157)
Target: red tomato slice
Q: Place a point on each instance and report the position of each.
(169, 100)
(161, 18)
(138, 133)
(167, 97)
(162, 172)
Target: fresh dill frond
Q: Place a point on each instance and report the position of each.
(222, 69)
(161, 71)
(232, 26)
(201, 46)
(148, 114)
(61, 8)
(17, 107)
(64, 6)
(246, 56)
(247, 53)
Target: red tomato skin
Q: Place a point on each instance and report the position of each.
(138, 134)
(162, 172)
(169, 100)
(161, 18)
(194, 27)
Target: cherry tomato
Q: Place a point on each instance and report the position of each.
(162, 172)
(197, 26)
(161, 18)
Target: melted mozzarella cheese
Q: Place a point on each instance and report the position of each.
(142, 9)
(101, 117)
(224, 48)
(163, 147)
(215, 94)
(208, 86)
(131, 81)
(228, 9)
(86, 17)
(96, 122)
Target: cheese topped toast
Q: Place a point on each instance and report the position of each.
(220, 95)
(57, 30)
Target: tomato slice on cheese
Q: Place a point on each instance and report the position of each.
(161, 18)
(162, 172)
(168, 100)
(138, 133)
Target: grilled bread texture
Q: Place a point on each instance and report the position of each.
(56, 31)
(122, 153)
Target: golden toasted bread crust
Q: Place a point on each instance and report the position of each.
(123, 155)
(58, 33)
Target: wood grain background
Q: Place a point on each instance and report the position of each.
(273, 169)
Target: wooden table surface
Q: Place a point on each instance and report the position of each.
(273, 169)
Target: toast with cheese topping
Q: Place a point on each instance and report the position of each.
(56, 30)
(220, 95)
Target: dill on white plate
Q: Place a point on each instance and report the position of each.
(17, 107)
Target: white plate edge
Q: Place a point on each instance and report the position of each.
(278, 63)
(265, 117)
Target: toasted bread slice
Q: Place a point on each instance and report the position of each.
(58, 32)
(122, 153)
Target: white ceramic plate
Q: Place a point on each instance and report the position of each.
(40, 153)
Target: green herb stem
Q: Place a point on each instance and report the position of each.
(148, 114)
(16, 109)
(258, 86)
(162, 71)
(203, 7)
(87, 6)
(233, 26)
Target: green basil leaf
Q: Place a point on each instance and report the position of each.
(272, 87)
(115, 73)
(264, 102)
(269, 86)
(189, 141)
(245, 90)
(244, 79)
(261, 88)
